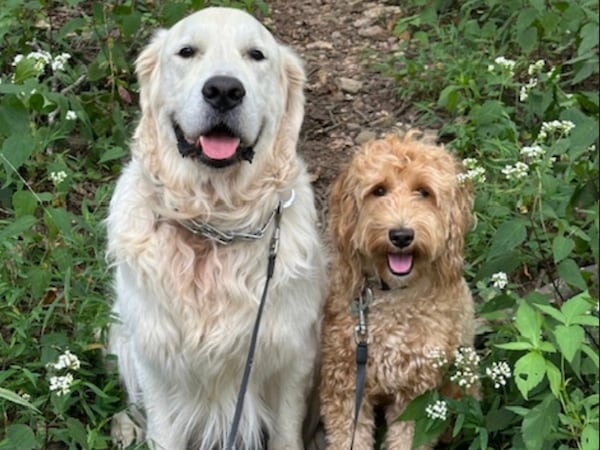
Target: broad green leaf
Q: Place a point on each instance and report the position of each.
(529, 322)
(529, 372)
(539, 423)
(21, 437)
(569, 339)
(576, 306)
(552, 311)
(77, 432)
(569, 271)
(16, 149)
(589, 437)
(16, 398)
(24, 203)
(508, 236)
(554, 378)
(561, 248)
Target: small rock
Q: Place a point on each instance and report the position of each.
(349, 85)
(365, 136)
(374, 31)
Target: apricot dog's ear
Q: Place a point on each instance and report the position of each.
(146, 65)
(343, 212)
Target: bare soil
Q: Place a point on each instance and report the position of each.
(340, 40)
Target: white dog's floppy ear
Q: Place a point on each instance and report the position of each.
(293, 79)
(147, 63)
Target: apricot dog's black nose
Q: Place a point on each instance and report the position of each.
(401, 237)
(223, 93)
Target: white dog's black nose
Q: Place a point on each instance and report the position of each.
(223, 93)
(401, 237)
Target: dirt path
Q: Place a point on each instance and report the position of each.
(348, 101)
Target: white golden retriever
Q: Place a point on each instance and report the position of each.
(222, 104)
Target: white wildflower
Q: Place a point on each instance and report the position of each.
(519, 170)
(533, 153)
(437, 357)
(71, 115)
(437, 410)
(526, 88)
(470, 163)
(476, 175)
(61, 384)
(57, 178)
(17, 59)
(66, 361)
(58, 62)
(506, 64)
(555, 127)
(499, 280)
(536, 67)
(25, 396)
(499, 373)
(466, 361)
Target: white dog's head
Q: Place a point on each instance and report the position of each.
(217, 90)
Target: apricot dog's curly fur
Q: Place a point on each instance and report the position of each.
(398, 217)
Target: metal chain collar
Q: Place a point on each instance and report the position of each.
(226, 237)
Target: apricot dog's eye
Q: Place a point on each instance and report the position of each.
(423, 192)
(379, 191)
(186, 52)
(256, 54)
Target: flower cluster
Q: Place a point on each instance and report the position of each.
(474, 172)
(466, 361)
(499, 280)
(499, 373)
(533, 153)
(516, 172)
(555, 127)
(42, 58)
(437, 410)
(437, 357)
(57, 178)
(61, 384)
(71, 115)
(505, 64)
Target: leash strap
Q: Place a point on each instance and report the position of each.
(361, 339)
(239, 406)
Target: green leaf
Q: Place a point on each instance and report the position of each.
(529, 322)
(576, 306)
(589, 437)
(17, 227)
(509, 235)
(77, 432)
(24, 203)
(16, 398)
(569, 271)
(16, 149)
(21, 437)
(554, 378)
(515, 346)
(569, 339)
(561, 248)
(552, 312)
(529, 372)
(539, 423)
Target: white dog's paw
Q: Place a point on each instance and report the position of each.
(124, 431)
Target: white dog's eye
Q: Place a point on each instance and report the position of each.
(186, 52)
(256, 54)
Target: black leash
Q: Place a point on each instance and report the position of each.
(360, 337)
(239, 406)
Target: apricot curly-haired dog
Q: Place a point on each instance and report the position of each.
(397, 220)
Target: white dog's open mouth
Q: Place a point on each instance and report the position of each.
(218, 147)
(400, 263)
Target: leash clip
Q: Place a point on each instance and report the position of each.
(360, 329)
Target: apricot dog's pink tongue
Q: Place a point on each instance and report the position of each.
(400, 263)
(219, 147)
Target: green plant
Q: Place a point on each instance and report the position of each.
(526, 128)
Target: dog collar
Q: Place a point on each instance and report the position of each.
(224, 237)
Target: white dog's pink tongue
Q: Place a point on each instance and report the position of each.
(219, 147)
(400, 264)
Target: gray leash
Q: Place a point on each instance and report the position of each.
(360, 337)
(239, 406)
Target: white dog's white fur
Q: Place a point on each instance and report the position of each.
(185, 306)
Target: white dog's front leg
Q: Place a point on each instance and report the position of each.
(294, 386)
